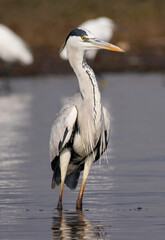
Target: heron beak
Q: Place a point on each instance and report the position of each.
(104, 45)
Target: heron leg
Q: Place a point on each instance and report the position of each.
(87, 167)
(59, 205)
(64, 162)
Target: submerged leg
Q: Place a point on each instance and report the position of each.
(64, 162)
(87, 167)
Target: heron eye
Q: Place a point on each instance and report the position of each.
(83, 38)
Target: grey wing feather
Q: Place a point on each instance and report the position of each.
(62, 130)
(105, 136)
(106, 123)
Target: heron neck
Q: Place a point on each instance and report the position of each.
(87, 81)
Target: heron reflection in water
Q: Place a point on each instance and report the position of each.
(80, 134)
(74, 225)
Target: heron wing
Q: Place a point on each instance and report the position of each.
(104, 138)
(107, 124)
(62, 130)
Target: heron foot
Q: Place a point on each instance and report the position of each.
(79, 204)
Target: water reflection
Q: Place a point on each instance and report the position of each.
(125, 198)
(74, 225)
(14, 124)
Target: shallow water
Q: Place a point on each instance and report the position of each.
(125, 193)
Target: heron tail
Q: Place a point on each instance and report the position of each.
(56, 179)
(71, 180)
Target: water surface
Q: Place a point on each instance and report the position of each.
(125, 192)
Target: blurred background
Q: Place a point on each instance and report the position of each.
(44, 25)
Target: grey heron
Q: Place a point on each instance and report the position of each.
(102, 27)
(80, 134)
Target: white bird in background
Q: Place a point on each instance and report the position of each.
(13, 49)
(80, 134)
(101, 27)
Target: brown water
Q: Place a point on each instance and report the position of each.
(125, 193)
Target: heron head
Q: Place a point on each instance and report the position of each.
(83, 39)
